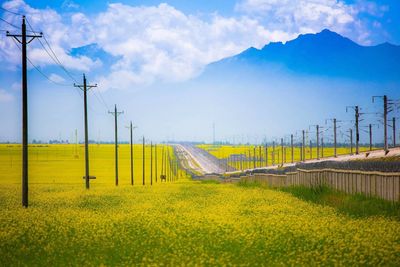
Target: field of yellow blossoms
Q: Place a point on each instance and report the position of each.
(183, 223)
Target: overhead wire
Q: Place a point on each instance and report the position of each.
(10, 24)
(9, 11)
(56, 60)
(42, 73)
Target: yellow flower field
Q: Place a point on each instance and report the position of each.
(65, 163)
(176, 223)
(251, 153)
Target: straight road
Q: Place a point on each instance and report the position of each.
(200, 160)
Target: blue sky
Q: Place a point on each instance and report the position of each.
(140, 52)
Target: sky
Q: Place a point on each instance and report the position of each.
(145, 56)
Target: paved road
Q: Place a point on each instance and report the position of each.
(201, 160)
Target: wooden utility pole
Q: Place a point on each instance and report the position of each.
(116, 113)
(156, 162)
(23, 41)
(132, 158)
(151, 163)
(85, 87)
(162, 162)
(144, 162)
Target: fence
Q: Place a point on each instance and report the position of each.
(385, 185)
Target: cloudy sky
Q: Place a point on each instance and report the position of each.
(131, 48)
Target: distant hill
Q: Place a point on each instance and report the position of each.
(324, 54)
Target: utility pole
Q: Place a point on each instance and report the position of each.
(155, 151)
(394, 131)
(334, 135)
(131, 143)
(85, 87)
(260, 155)
(357, 117)
(24, 43)
(291, 145)
(151, 163)
(144, 162)
(116, 113)
(317, 140)
(385, 113)
(162, 162)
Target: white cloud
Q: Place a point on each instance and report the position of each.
(299, 16)
(161, 43)
(69, 4)
(5, 96)
(56, 78)
(61, 35)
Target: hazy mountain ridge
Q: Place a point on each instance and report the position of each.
(326, 53)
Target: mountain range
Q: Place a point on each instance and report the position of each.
(323, 54)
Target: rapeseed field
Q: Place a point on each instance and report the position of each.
(176, 223)
(250, 156)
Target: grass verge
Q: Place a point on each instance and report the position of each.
(357, 205)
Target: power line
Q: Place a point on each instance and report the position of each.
(9, 23)
(53, 56)
(9, 11)
(42, 73)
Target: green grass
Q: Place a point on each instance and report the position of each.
(358, 205)
(210, 182)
